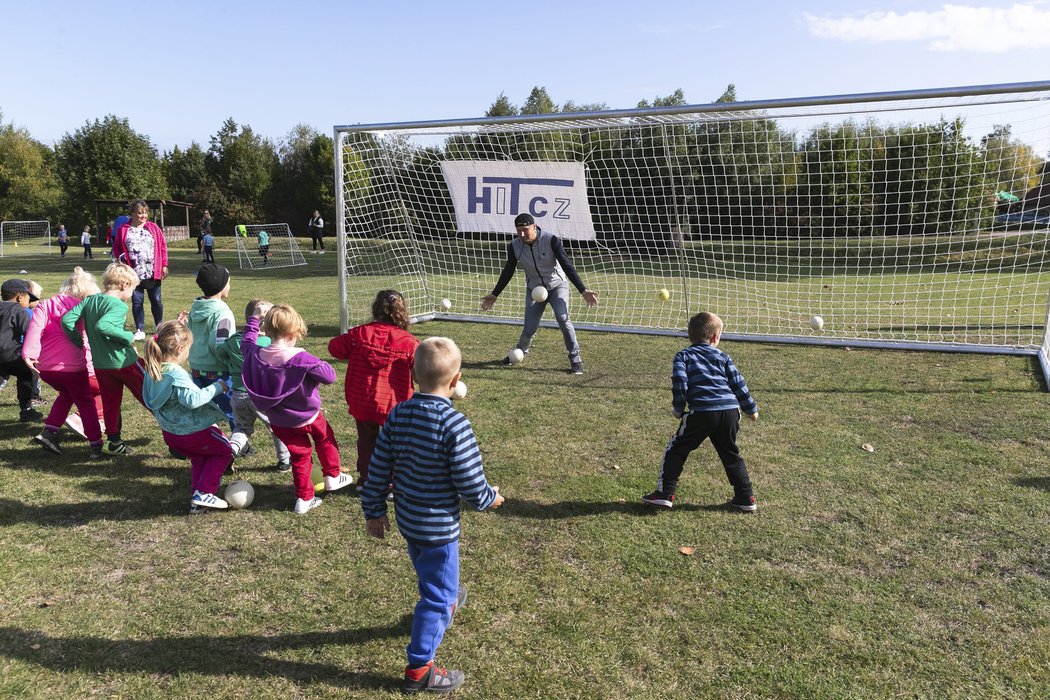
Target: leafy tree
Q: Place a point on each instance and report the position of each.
(29, 188)
(303, 181)
(675, 99)
(1010, 163)
(107, 159)
(243, 165)
(502, 107)
(539, 102)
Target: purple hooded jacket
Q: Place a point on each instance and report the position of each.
(287, 394)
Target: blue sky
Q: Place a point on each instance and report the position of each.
(178, 70)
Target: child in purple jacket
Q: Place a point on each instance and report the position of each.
(282, 382)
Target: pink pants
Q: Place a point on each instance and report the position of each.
(111, 383)
(298, 442)
(209, 452)
(76, 388)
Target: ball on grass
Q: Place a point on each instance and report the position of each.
(446, 304)
(816, 323)
(239, 494)
(539, 294)
(461, 390)
(663, 295)
(515, 356)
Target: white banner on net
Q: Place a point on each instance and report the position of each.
(488, 194)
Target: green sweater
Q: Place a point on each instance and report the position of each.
(104, 315)
(233, 359)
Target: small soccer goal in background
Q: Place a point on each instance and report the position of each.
(25, 238)
(261, 246)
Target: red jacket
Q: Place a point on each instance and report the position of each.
(378, 369)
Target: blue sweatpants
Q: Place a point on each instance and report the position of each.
(223, 401)
(437, 571)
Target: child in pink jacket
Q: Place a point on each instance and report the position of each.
(63, 365)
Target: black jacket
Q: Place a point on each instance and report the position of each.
(14, 321)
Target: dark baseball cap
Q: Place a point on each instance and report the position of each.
(524, 220)
(13, 287)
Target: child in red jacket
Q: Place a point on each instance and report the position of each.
(379, 359)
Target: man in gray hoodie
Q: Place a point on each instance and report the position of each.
(541, 255)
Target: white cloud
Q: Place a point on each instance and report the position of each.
(951, 28)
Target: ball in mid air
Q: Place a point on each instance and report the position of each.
(539, 294)
(239, 494)
(816, 323)
(515, 356)
(461, 390)
(446, 304)
(663, 295)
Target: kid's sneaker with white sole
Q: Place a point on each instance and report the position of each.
(334, 483)
(432, 679)
(208, 500)
(303, 505)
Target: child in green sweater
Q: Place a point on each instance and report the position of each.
(117, 365)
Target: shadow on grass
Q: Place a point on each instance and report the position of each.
(1041, 483)
(518, 508)
(245, 655)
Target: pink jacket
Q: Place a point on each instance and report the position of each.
(160, 248)
(47, 343)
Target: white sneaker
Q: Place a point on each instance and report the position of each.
(208, 500)
(140, 335)
(334, 483)
(301, 506)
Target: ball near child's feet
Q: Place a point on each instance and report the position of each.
(539, 294)
(515, 356)
(446, 304)
(816, 323)
(663, 295)
(461, 390)
(239, 494)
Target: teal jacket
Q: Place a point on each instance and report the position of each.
(211, 323)
(180, 406)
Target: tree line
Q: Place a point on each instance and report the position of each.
(240, 177)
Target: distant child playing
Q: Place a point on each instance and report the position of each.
(244, 411)
(379, 355)
(264, 246)
(64, 366)
(212, 323)
(208, 242)
(186, 413)
(117, 365)
(282, 382)
(428, 449)
(704, 379)
(85, 240)
(63, 239)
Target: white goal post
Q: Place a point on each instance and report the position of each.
(25, 238)
(914, 220)
(267, 246)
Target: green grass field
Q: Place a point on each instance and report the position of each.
(919, 570)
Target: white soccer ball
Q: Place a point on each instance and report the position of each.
(461, 390)
(446, 304)
(515, 356)
(539, 294)
(816, 323)
(239, 494)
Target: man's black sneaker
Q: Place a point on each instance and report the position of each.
(659, 499)
(49, 441)
(744, 503)
(30, 414)
(576, 368)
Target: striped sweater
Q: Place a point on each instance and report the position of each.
(706, 379)
(428, 450)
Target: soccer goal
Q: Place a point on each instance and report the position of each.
(907, 219)
(264, 246)
(25, 238)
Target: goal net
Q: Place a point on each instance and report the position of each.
(25, 238)
(913, 220)
(264, 246)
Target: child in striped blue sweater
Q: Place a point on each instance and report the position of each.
(428, 450)
(705, 380)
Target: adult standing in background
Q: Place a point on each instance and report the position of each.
(317, 232)
(203, 230)
(112, 242)
(140, 243)
(541, 255)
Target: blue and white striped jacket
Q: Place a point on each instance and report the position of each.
(428, 449)
(706, 379)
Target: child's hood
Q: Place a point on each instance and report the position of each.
(155, 393)
(269, 385)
